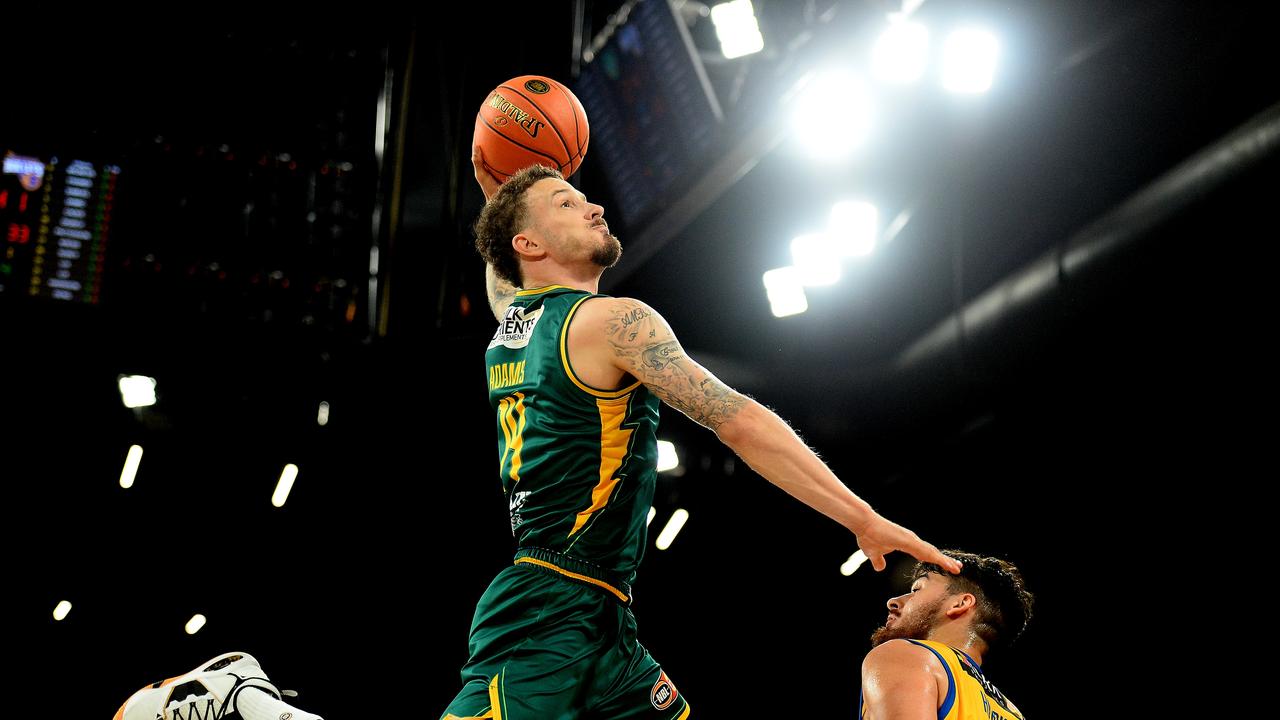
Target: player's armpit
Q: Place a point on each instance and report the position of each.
(899, 682)
(643, 344)
(500, 292)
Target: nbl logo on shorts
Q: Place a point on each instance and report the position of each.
(663, 693)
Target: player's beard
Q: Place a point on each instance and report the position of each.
(915, 626)
(606, 254)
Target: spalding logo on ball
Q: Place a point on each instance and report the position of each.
(531, 120)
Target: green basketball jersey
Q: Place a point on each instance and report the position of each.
(578, 464)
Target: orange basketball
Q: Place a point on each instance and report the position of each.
(531, 120)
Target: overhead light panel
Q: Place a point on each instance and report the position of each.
(137, 390)
(854, 225)
(969, 61)
(672, 528)
(284, 485)
(737, 28)
(131, 462)
(817, 258)
(785, 291)
(901, 53)
(667, 457)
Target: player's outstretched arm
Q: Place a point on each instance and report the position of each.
(641, 343)
(500, 292)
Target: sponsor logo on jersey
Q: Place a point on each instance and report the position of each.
(516, 328)
(663, 693)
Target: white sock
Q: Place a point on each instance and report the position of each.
(254, 704)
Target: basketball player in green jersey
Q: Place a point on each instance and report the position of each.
(926, 663)
(575, 379)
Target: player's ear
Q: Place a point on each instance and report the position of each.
(960, 604)
(528, 246)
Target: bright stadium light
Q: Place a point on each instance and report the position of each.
(653, 512)
(737, 28)
(60, 612)
(786, 292)
(131, 462)
(853, 563)
(969, 60)
(668, 534)
(667, 458)
(817, 257)
(831, 115)
(284, 485)
(901, 54)
(322, 415)
(196, 622)
(853, 226)
(137, 390)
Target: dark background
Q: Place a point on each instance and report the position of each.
(1094, 439)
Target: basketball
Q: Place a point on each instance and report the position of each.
(531, 120)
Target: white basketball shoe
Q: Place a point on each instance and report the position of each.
(207, 693)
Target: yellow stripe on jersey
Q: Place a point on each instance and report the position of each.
(614, 443)
(568, 367)
(535, 291)
(495, 696)
(576, 576)
(684, 714)
(512, 418)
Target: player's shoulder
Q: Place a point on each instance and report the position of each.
(609, 310)
(899, 654)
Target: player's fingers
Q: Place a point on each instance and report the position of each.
(927, 552)
(877, 561)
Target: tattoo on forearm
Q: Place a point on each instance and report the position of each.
(659, 362)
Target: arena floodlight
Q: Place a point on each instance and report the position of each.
(667, 457)
(61, 611)
(284, 485)
(322, 415)
(854, 225)
(137, 390)
(817, 257)
(969, 61)
(196, 622)
(737, 28)
(653, 512)
(901, 53)
(853, 563)
(668, 534)
(131, 462)
(785, 291)
(831, 114)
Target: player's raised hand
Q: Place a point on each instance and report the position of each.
(488, 183)
(879, 537)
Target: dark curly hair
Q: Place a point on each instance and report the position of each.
(503, 217)
(1004, 605)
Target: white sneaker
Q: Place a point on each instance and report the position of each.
(206, 693)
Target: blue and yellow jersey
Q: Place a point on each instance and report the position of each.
(970, 696)
(578, 464)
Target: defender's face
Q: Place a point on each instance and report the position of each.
(913, 614)
(573, 227)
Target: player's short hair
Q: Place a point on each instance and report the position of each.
(503, 217)
(1004, 604)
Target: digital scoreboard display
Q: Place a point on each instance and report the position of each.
(55, 224)
(654, 117)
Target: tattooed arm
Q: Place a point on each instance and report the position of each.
(500, 292)
(640, 342)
